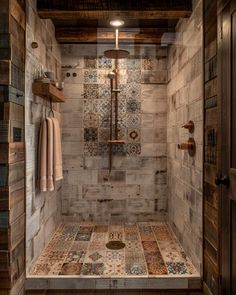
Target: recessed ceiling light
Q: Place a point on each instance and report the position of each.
(116, 23)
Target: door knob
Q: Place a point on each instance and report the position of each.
(222, 180)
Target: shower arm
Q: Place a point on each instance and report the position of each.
(117, 38)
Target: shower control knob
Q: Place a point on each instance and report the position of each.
(222, 180)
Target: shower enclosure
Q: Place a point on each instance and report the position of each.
(128, 212)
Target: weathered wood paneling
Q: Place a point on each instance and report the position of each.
(9, 93)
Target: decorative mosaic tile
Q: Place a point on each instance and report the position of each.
(99, 237)
(41, 269)
(134, 257)
(55, 255)
(133, 121)
(121, 121)
(103, 78)
(133, 76)
(90, 76)
(103, 149)
(176, 268)
(93, 269)
(75, 256)
(121, 106)
(133, 245)
(104, 121)
(88, 255)
(90, 106)
(150, 246)
(85, 229)
(122, 63)
(133, 91)
(133, 63)
(115, 256)
(79, 246)
(115, 236)
(133, 106)
(123, 91)
(155, 263)
(162, 233)
(131, 236)
(101, 228)
(70, 229)
(133, 135)
(96, 246)
(130, 228)
(104, 62)
(95, 256)
(119, 149)
(104, 107)
(115, 269)
(90, 134)
(91, 91)
(71, 269)
(91, 120)
(135, 269)
(148, 63)
(90, 62)
(105, 91)
(146, 233)
(91, 149)
(103, 134)
(122, 134)
(62, 245)
(83, 237)
(122, 77)
(133, 149)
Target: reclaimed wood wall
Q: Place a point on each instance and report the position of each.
(211, 241)
(12, 155)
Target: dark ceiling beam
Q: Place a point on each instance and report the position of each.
(111, 14)
(141, 36)
(140, 5)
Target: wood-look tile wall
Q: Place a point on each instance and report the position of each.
(185, 102)
(42, 208)
(212, 152)
(12, 159)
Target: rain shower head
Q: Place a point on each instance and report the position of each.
(116, 53)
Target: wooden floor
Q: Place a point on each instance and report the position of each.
(112, 292)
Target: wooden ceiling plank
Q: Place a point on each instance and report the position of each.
(109, 14)
(94, 36)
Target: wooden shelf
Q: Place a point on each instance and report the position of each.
(48, 91)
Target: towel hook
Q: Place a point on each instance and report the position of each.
(51, 109)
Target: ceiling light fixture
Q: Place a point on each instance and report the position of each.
(117, 23)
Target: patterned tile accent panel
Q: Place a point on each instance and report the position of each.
(151, 250)
(90, 192)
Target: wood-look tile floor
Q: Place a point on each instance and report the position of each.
(151, 250)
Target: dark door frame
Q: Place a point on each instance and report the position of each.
(225, 91)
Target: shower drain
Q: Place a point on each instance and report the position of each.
(115, 245)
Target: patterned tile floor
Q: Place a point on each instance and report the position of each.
(80, 249)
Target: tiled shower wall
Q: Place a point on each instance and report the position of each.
(42, 209)
(185, 102)
(135, 190)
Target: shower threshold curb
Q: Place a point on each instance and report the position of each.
(87, 283)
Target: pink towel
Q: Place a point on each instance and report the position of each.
(57, 154)
(42, 161)
(50, 154)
